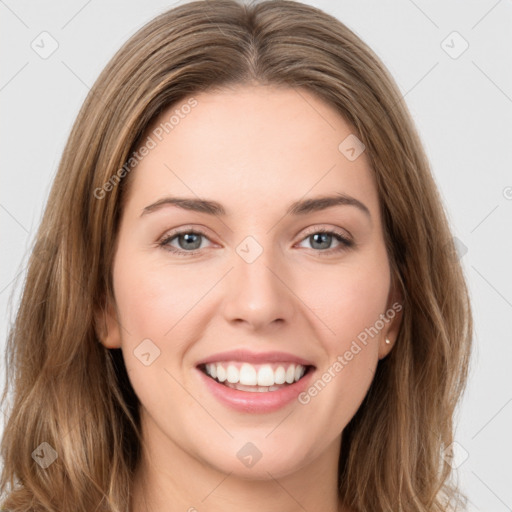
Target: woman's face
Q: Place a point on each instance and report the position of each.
(254, 275)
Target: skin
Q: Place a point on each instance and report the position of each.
(254, 149)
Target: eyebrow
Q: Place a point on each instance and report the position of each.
(297, 208)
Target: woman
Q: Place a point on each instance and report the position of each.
(182, 342)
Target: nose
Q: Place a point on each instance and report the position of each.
(259, 293)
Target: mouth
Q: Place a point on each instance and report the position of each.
(256, 378)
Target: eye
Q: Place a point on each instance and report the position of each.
(189, 241)
(321, 239)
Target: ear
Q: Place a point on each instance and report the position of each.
(394, 313)
(106, 325)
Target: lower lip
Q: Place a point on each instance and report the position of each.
(256, 402)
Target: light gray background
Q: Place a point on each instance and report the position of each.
(463, 110)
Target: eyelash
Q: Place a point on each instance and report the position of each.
(345, 243)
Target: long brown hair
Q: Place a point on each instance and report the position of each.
(72, 393)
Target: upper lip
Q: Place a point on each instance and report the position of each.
(255, 357)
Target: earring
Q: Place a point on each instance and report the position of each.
(388, 342)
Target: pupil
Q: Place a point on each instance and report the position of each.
(323, 236)
(189, 239)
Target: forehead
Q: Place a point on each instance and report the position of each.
(249, 148)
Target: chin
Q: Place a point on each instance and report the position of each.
(252, 463)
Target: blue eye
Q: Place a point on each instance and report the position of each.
(324, 237)
(189, 242)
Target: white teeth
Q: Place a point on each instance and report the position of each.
(262, 376)
(280, 375)
(221, 373)
(290, 374)
(248, 375)
(232, 374)
(265, 376)
(253, 389)
(212, 370)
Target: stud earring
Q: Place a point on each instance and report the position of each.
(388, 342)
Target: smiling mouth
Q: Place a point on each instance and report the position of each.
(260, 378)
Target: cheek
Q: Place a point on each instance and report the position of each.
(348, 300)
(153, 302)
(151, 298)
